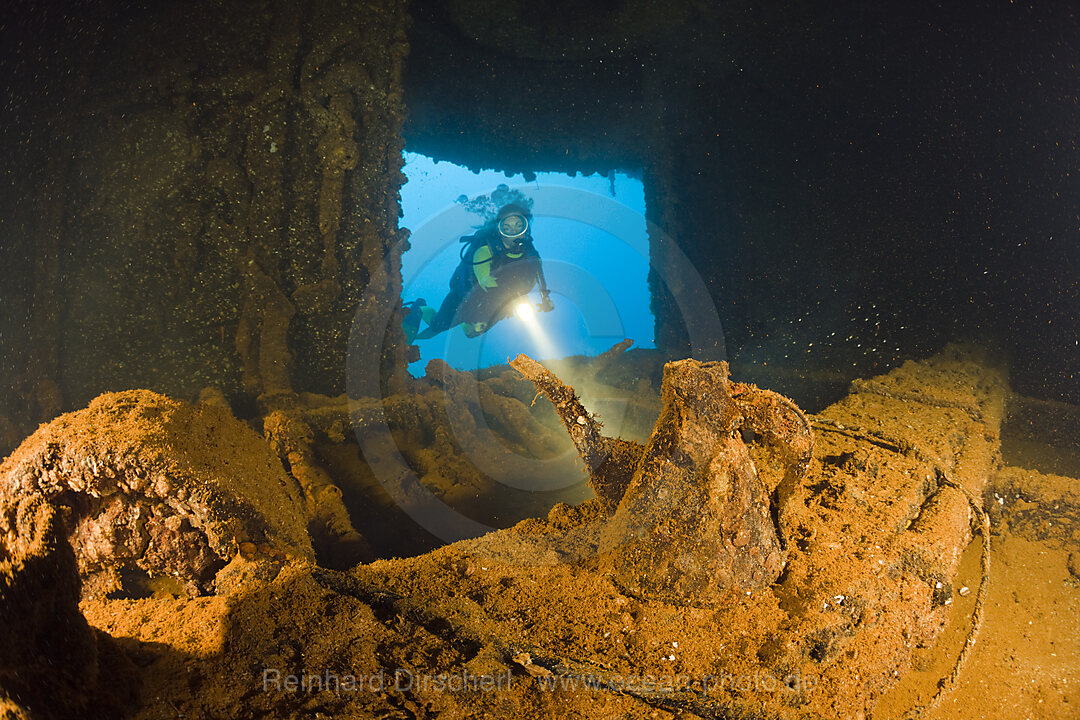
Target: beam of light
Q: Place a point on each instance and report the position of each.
(525, 312)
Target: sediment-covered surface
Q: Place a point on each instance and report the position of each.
(1024, 663)
(146, 483)
(529, 621)
(49, 653)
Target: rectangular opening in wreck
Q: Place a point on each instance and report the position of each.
(589, 231)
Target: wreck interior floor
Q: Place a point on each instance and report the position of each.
(1028, 648)
(1024, 662)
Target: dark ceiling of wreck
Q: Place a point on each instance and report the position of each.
(875, 180)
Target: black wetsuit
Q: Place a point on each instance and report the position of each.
(516, 274)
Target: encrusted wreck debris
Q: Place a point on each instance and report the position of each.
(49, 656)
(154, 484)
(874, 531)
(692, 517)
(859, 515)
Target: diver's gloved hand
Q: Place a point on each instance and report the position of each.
(412, 313)
(487, 282)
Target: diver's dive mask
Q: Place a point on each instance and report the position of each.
(513, 226)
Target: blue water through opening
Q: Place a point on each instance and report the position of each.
(590, 232)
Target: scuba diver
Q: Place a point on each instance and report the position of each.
(499, 265)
